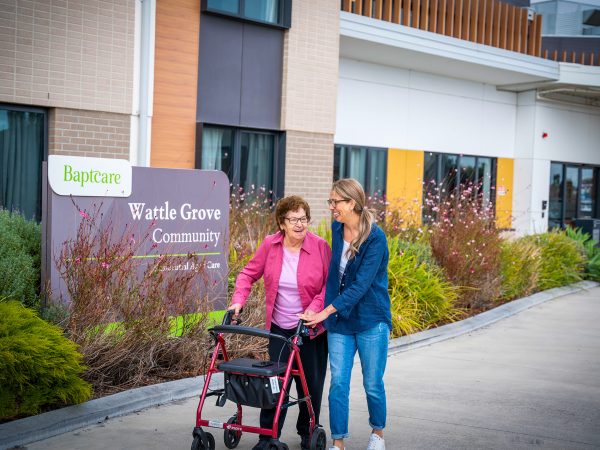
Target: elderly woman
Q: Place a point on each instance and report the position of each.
(294, 265)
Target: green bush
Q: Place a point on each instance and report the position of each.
(519, 267)
(20, 248)
(419, 294)
(39, 367)
(561, 260)
(422, 252)
(590, 250)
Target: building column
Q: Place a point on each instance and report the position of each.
(309, 95)
(532, 173)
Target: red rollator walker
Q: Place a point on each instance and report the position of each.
(256, 383)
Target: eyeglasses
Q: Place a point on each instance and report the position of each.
(295, 220)
(333, 202)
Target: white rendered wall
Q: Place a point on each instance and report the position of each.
(382, 106)
(573, 133)
(573, 136)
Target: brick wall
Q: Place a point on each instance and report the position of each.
(310, 67)
(69, 54)
(88, 133)
(309, 169)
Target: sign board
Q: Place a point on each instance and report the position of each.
(89, 177)
(182, 211)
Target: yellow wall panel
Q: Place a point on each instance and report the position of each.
(504, 192)
(405, 183)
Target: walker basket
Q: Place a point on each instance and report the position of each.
(253, 382)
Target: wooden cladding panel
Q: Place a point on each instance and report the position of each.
(424, 15)
(488, 22)
(378, 9)
(406, 12)
(465, 20)
(537, 35)
(433, 19)
(480, 22)
(175, 83)
(396, 11)
(387, 11)
(441, 28)
(416, 13)
(368, 8)
(474, 20)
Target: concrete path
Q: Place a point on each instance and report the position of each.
(528, 381)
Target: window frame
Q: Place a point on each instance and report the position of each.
(439, 174)
(284, 19)
(367, 168)
(45, 139)
(278, 166)
(563, 191)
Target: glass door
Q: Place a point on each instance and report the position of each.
(587, 194)
(555, 206)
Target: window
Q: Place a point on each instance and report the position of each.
(450, 172)
(365, 164)
(268, 12)
(574, 193)
(23, 138)
(250, 159)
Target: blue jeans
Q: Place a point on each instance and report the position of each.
(372, 346)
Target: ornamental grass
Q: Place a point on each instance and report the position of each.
(561, 259)
(520, 261)
(420, 296)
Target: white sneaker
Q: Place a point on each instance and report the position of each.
(376, 443)
(334, 447)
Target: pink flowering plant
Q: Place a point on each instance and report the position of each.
(132, 323)
(465, 242)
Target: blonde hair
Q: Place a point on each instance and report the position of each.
(350, 189)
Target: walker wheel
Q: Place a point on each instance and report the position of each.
(278, 446)
(232, 437)
(198, 443)
(319, 439)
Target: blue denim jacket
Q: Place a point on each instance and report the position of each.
(361, 297)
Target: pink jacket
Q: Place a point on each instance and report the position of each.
(313, 265)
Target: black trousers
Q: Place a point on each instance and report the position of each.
(313, 354)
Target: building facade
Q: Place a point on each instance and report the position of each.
(288, 95)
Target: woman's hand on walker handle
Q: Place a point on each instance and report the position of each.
(236, 308)
(312, 319)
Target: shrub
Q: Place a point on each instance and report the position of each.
(466, 243)
(323, 229)
(590, 249)
(39, 367)
(20, 248)
(420, 296)
(520, 265)
(561, 261)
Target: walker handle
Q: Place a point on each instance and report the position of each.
(249, 331)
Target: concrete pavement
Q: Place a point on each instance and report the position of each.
(529, 381)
